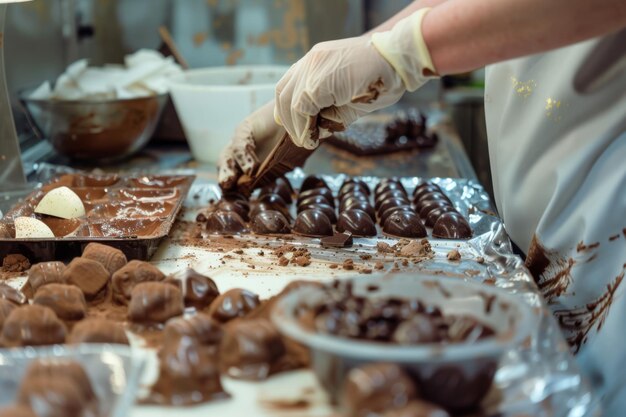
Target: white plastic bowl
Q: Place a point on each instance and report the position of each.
(211, 102)
(460, 371)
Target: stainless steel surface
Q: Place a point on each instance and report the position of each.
(102, 131)
(11, 171)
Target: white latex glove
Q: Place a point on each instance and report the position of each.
(252, 140)
(339, 81)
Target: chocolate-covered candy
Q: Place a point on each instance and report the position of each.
(385, 214)
(372, 389)
(361, 205)
(261, 207)
(391, 202)
(425, 188)
(200, 326)
(133, 273)
(283, 188)
(225, 223)
(417, 408)
(272, 200)
(33, 325)
(188, 374)
(98, 331)
(452, 226)
(399, 194)
(434, 215)
(312, 181)
(235, 206)
(329, 211)
(234, 303)
(314, 200)
(234, 196)
(421, 328)
(324, 192)
(357, 222)
(12, 295)
(250, 349)
(155, 302)
(352, 185)
(199, 291)
(45, 273)
(67, 301)
(59, 388)
(270, 222)
(90, 276)
(313, 223)
(404, 224)
(111, 258)
(15, 263)
(6, 307)
(350, 199)
(388, 184)
(426, 206)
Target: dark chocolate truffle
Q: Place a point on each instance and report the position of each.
(225, 223)
(111, 258)
(361, 205)
(386, 185)
(155, 302)
(33, 325)
(272, 200)
(45, 273)
(88, 275)
(390, 194)
(425, 189)
(426, 206)
(417, 408)
(233, 303)
(329, 211)
(404, 224)
(350, 186)
(67, 301)
(314, 201)
(281, 187)
(133, 273)
(6, 307)
(350, 199)
(357, 222)
(452, 226)
(188, 374)
(392, 202)
(59, 388)
(313, 223)
(324, 192)
(261, 207)
(434, 215)
(312, 181)
(270, 222)
(241, 209)
(199, 291)
(12, 295)
(372, 389)
(250, 349)
(385, 214)
(98, 331)
(200, 326)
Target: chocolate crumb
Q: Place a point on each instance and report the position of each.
(372, 288)
(252, 267)
(365, 256)
(454, 255)
(261, 253)
(15, 263)
(379, 265)
(333, 266)
(282, 261)
(348, 264)
(480, 260)
(366, 271)
(302, 261)
(238, 251)
(405, 262)
(201, 218)
(383, 247)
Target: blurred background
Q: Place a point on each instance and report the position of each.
(44, 36)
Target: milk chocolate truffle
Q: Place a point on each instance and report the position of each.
(452, 226)
(236, 206)
(111, 258)
(417, 408)
(361, 205)
(199, 291)
(404, 224)
(313, 223)
(329, 211)
(312, 181)
(270, 222)
(314, 201)
(6, 307)
(67, 301)
(434, 215)
(90, 276)
(234, 303)
(426, 206)
(12, 295)
(188, 374)
(372, 389)
(356, 222)
(45, 273)
(15, 263)
(98, 331)
(200, 326)
(250, 349)
(225, 223)
(155, 302)
(57, 389)
(33, 325)
(324, 192)
(133, 273)
(17, 411)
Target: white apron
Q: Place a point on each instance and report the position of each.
(557, 142)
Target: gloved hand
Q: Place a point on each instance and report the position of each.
(339, 81)
(252, 140)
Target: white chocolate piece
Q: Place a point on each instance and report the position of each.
(61, 202)
(29, 227)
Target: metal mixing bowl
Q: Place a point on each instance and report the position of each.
(100, 131)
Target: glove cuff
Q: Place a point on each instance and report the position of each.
(405, 50)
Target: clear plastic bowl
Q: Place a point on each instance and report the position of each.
(458, 375)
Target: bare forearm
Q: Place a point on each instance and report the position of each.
(407, 11)
(463, 35)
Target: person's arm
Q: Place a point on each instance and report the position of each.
(406, 12)
(463, 35)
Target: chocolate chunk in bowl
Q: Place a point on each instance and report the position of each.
(454, 367)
